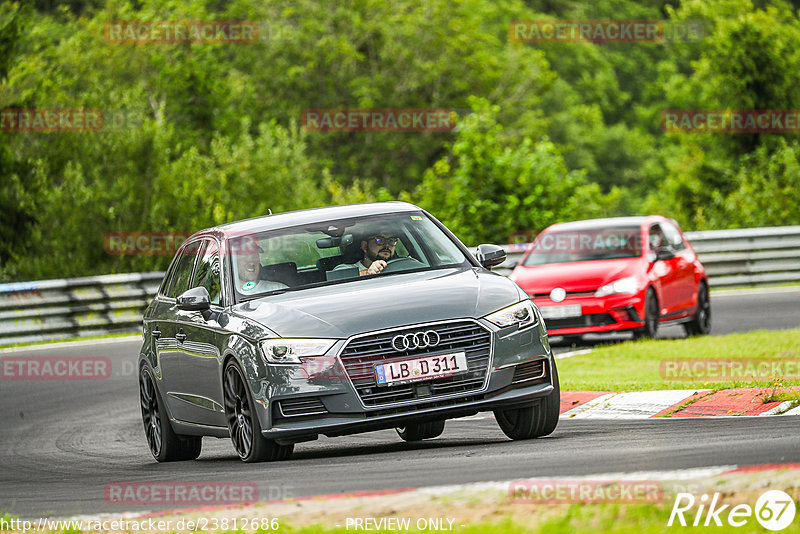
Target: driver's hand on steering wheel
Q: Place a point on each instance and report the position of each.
(376, 267)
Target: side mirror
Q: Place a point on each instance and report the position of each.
(665, 253)
(195, 299)
(490, 255)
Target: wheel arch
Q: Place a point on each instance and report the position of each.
(255, 374)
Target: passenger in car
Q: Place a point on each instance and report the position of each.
(248, 266)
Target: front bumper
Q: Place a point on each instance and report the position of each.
(300, 403)
(339, 425)
(612, 313)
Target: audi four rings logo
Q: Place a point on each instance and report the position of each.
(417, 340)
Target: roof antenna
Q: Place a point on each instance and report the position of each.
(270, 211)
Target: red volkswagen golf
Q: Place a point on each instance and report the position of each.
(606, 275)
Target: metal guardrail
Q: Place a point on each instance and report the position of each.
(58, 309)
(750, 256)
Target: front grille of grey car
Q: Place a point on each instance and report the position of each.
(302, 406)
(362, 354)
(529, 371)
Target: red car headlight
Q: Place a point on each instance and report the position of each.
(623, 286)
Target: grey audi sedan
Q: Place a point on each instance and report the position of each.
(335, 321)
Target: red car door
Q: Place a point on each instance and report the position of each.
(684, 265)
(666, 272)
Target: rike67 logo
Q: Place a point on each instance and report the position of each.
(774, 510)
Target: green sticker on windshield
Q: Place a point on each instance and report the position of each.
(248, 286)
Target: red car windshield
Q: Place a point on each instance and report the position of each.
(586, 245)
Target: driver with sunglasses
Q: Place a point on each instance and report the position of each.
(378, 249)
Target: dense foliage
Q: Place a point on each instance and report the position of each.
(209, 133)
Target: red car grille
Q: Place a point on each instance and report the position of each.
(591, 319)
(589, 293)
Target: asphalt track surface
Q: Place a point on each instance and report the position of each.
(62, 441)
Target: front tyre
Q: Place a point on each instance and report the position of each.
(700, 324)
(243, 423)
(652, 316)
(164, 444)
(535, 421)
(420, 431)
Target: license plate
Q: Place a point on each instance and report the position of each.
(427, 368)
(561, 312)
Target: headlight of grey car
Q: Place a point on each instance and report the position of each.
(288, 351)
(521, 314)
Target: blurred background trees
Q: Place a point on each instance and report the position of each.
(209, 133)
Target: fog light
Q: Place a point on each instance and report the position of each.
(621, 315)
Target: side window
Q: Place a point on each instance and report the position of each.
(208, 272)
(183, 269)
(165, 283)
(673, 236)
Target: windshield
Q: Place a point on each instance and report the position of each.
(586, 245)
(338, 250)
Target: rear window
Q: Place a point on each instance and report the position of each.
(586, 245)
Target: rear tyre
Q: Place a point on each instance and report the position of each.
(420, 431)
(535, 421)
(700, 324)
(164, 444)
(651, 317)
(243, 423)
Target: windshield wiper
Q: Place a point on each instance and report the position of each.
(274, 292)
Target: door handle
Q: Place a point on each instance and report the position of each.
(156, 333)
(180, 336)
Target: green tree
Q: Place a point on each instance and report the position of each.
(745, 62)
(18, 194)
(486, 189)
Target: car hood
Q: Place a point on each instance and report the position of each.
(575, 276)
(343, 310)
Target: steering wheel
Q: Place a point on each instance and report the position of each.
(402, 264)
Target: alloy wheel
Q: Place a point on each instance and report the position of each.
(704, 310)
(652, 316)
(151, 414)
(238, 412)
